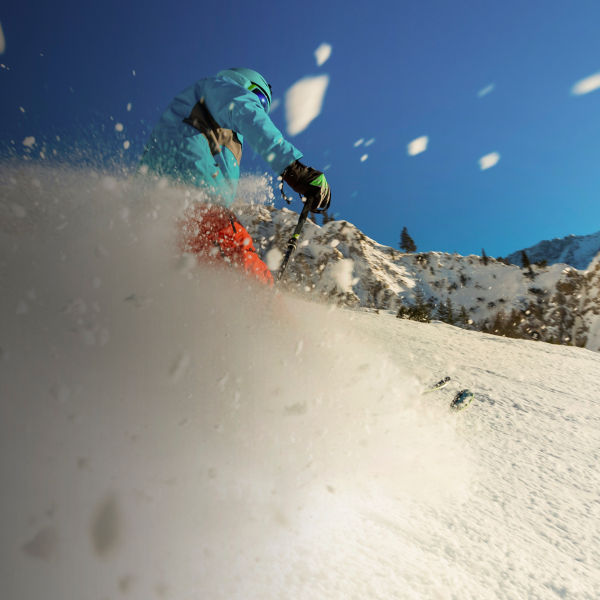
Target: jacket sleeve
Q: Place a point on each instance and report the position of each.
(235, 108)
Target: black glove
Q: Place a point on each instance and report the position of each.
(310, 183)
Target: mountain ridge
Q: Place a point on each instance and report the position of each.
(337, 262)
(575, 250)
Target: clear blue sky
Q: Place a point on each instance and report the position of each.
(398, 70)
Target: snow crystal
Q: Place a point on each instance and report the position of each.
(2, 40)
(322, 53)
(303, 102)
(489, 160)
(418, 145)
(486, 90)
(21, 109)
(119, 127)
(129, 107)
(109, 183)
(341, 273)
(43, 545)
(273, 259)
(106, 526)
(22, 308)
(357, 143)
(364, 157)
(126, 144)
(29, 141)
(587, 85)
(179, 367)
(18, 211)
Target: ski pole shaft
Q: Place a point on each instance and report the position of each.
(294, 239)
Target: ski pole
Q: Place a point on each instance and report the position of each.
(294, 239)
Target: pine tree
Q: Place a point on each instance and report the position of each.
(403, 312)
(327, 218)
(406, 242)
(420, 310)
(527, 264)
(446, 312)
(450, 320)
(442, 312)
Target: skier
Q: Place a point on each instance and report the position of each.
(198, 141)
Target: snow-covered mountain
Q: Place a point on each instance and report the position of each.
(168, 431)
(338, 262)
(575, 250)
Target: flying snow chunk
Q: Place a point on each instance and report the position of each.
(322, 53)
(486, 90)
(2, 40)
(274, 105)
(119, 127)
(303, 102)
(417, 146)
(341, 273)
(369, 142)
(357, 143)
(274, 259)
(364, 157)
(587, 85)
(29, 141)
(489, 160)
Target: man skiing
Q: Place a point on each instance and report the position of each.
(198, 141)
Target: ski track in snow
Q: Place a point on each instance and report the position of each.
(171, 431)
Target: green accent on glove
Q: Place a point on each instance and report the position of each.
(320, 181)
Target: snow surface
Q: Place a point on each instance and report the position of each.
(303, 102)
(169, 431)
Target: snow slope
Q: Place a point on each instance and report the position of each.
(168, 431)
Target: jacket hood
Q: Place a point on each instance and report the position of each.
(245, 77)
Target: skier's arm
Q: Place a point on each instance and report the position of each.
(238, 109)
(235, 108)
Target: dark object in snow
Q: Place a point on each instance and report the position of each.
(439, 385)
(462, 400)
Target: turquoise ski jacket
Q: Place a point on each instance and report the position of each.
(198, 139)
